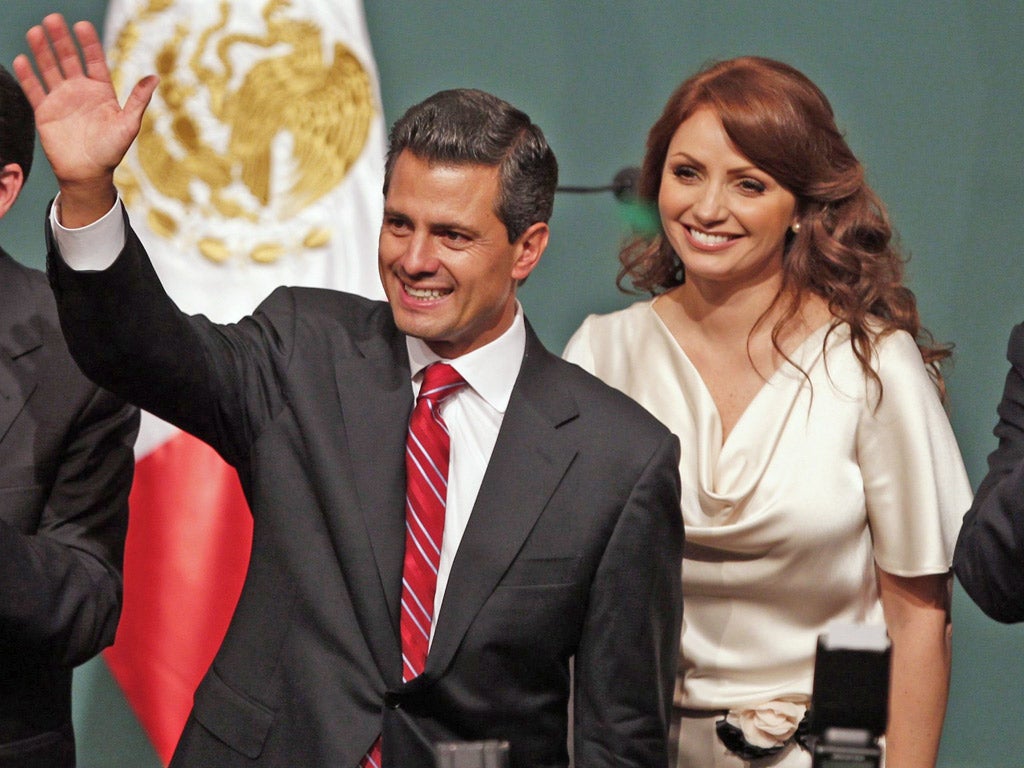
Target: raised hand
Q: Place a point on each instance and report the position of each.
(83, 129)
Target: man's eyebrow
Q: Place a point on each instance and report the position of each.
(445, 226)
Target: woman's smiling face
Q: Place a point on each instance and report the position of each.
(725, 218)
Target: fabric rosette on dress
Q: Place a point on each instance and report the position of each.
(764, 729)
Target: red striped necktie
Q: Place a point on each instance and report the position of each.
(426, 464)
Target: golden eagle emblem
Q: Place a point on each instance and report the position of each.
(251, 125)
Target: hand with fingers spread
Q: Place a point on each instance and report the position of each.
(83, 129)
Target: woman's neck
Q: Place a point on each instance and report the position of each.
(727, 312)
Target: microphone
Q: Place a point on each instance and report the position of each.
(626, 183)
(623, 186)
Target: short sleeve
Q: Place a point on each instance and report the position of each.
(915, 483)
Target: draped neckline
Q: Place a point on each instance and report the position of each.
(731, 469)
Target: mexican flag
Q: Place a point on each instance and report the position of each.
(260, 163)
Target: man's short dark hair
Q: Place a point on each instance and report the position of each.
(466, 126)
(17, 124)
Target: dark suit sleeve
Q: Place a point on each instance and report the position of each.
(989, 557)
(126, 334)
(626, 662)
(61, 596)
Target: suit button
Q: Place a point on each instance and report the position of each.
(392, 701)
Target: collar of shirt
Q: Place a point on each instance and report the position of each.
(491, 370)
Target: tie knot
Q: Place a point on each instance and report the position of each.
(440, 380)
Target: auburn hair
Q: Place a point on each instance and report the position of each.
(843, 250)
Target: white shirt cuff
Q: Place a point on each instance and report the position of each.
(93, 247)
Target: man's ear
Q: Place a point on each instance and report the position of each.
(531, 245)
(11, 181)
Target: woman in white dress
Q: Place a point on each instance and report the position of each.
(821, 480)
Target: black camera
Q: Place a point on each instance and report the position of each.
(850, 702)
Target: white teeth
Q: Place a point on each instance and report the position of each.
(425, 293)
(708, 239)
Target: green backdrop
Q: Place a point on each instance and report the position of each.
(930, 96)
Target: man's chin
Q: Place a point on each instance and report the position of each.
(416, 326)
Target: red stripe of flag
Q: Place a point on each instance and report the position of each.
(188, 546)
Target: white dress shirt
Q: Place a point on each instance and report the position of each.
(92, 248)
(473, 415)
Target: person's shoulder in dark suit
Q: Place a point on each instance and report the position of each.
(989, 557)
(612, 407)
(636, 599)
(66, 468)
(338, 317)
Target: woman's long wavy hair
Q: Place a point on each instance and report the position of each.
(843, 251)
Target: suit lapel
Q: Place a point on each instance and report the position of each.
(18, 337)
(376, 398)
(528, 463)
(14, 389)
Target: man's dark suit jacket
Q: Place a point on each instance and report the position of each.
(573, 548)
(989, 557)
(65, 470)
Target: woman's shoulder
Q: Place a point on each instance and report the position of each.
(887, 344)
(893, 347)
(609, 331)
(895, 359)
(638, 315)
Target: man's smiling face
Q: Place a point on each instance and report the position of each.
(448, 269)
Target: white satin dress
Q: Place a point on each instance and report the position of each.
(816, 483)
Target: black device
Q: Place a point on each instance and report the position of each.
(850, 701)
